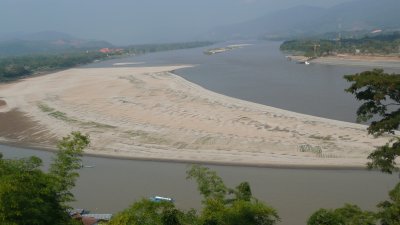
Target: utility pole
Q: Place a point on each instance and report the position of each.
(340, 35)
(315, 49)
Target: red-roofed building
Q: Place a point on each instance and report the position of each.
(105, 50)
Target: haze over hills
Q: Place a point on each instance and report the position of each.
(20, 43)
(359, 16)
(308, 20)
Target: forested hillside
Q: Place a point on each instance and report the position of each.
(386, 44)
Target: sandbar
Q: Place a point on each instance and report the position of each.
(373, 61)
(151, 113)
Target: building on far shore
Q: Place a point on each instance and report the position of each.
(89, 218)
(111, 50)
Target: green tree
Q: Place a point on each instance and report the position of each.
(221, 208)
(380, 94)
(247, 212)
(353, 215)
(389, 213)
(146, 212)
(31, 196)
(209, 184)
(27, 195)
(243, 192)
(67, 162)
(347, 215)
(325, 217)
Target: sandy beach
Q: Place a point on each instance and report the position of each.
(392, 62)
(150, 113)
(361, 60)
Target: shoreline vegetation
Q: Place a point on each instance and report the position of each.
(152, 114)
(382, 50)
(16, 67)
(350, 60)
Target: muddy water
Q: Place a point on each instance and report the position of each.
(257, 73)
(260, 73)
(113, 184)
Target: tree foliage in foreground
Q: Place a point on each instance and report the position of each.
(67, 162)
(380, 96)
(30, 196)
(388, 214)
(347, 215)
(229, 206)
(146, 212)
(221, 206)
(379, 93)
(389, 211)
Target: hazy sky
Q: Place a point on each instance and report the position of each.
(136, 21)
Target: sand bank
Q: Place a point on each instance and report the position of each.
(150, 113)
(128, 63)
(225, 49)
(360, 60)
(354, 60)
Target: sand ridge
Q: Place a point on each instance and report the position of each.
(148, 112)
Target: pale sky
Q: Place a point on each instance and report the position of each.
(136, 21)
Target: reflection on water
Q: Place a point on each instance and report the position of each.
(114, 184)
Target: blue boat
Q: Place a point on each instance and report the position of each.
(161, 199)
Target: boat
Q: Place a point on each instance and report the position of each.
(307, 62)
(161, 199)
(87, 166)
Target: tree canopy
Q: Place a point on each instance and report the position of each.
(221, 206)
(379, 93)
(389, 210)
(347, 215)
(67, 162)
(30, 196)
(228, 206)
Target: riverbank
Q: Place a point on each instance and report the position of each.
(353, 60)
(361, 60)
(149, 113)
(224, 49)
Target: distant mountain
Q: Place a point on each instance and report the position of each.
(37, 36)
(305, 20)
(45, 42)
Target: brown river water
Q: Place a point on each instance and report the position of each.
(257, 73)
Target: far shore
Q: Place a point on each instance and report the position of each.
(148, 113)
(354, 60)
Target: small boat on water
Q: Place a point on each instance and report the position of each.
(87, 166)
(305, 62)
(161, 199)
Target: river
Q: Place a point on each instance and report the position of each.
(260, 73)
(114, 184)
(257, 73)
